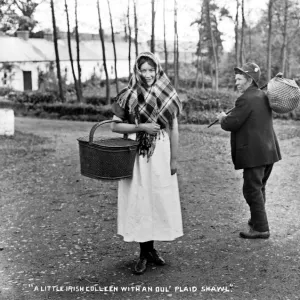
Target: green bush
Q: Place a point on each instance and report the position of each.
(65, 109)
(199, 107)
(36, 97)
(5, 91)
(210, 99)
(95, 100)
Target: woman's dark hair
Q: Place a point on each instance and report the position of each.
(146, 59)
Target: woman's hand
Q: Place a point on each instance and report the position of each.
(150, 128)
(173, 166)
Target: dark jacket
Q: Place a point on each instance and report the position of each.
(253, 140)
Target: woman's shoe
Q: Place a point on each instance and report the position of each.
(156, 258)
(141, 265)
(250, 223)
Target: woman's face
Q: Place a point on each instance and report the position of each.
(148, 73)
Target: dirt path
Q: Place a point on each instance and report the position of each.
(59, 228)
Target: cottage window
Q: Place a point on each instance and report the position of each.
(5, 78)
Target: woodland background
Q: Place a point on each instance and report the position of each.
(205, 83)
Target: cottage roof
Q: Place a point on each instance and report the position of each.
(14, 49)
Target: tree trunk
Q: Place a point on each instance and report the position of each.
(201, 56)
(202, 73)
(125, 27)
(269, 43)
(177, 51)
(236, 29)
(70, 51)
(165, 41)
(129, 39)
(78, 55)
(284, 44)
(152, 26)
(61, 92)
(197, 72)
(242, 35)
(207, 2)
(249, 57)
(135, 29)
(175, 46)
(114, 47)
(288, 65)
(200, 59)
(212, 76)
(103, 54)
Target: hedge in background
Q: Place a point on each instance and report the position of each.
(37, 97)
(199, 107)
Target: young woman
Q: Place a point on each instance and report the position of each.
(148, 203)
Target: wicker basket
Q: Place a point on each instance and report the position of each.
(106, 158)
(283, 94)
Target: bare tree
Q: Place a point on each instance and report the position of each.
(135, 29)
(269, 43)
(199, 53)
(212, 40)
(124, 19)
(236, 29)
(287, 13)
(153, 26)
(242, 54)
(114, 46)
(5, 7)
(103, 54)
(199, 60)
(202, 70)
(27, 8)
(70, 51)
(165, 41)
(200, 22)
(285, 36)
(78, 54)
(61, 92)
(175, 46)
(8, 19)
(129, 39)
(249, 56)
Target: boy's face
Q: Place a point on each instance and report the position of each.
(242, 82)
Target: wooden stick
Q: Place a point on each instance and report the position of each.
(261, 88)
(215, 121)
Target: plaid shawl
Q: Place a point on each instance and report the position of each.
(158, 103)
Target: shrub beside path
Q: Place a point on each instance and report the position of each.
(58, 229)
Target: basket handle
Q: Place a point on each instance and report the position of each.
(102, 123)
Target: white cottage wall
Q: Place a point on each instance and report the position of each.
(15, 78)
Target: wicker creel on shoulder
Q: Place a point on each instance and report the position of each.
(106, 158)
(283, 94)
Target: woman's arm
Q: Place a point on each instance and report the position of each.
(174, 141)
(151, 128)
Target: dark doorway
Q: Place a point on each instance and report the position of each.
(27, 79)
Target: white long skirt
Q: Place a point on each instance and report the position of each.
(149, 203)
